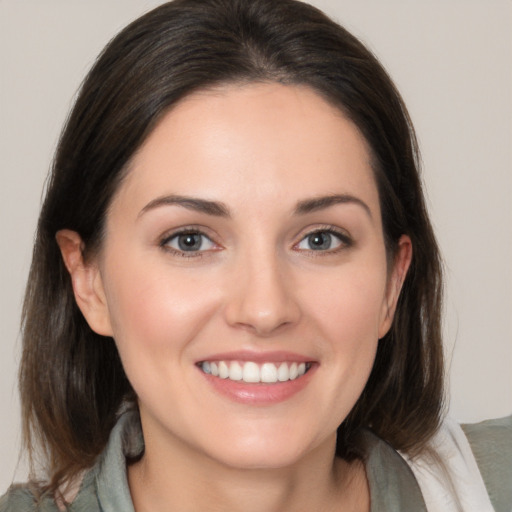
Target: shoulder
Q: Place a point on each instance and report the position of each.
(491, 443)
(104, 483)
(25, 498)
(393, 486)
(20, 498)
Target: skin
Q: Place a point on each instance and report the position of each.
(256, 285)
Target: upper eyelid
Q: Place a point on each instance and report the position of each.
(327, 228)
(345, 239)
(183, 230)
(164, 243)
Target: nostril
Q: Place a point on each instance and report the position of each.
(264, 319)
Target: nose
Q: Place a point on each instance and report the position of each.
(262, 297)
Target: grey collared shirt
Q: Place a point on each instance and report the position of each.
(393, 487)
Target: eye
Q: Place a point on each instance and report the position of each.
(323, 240)
(188, 241)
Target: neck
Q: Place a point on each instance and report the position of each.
(179, 479)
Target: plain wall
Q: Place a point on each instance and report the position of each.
(452, 61)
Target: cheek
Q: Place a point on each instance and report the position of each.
(349, 304)
(155, 312)
(346, 311)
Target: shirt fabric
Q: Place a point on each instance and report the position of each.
(458, 484)
(392, 481)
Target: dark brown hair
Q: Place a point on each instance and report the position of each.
(72, 381)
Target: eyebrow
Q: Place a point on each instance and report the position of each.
(219, 209)
(214, 208)
(320, 203)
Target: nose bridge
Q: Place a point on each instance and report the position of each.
(262, 297)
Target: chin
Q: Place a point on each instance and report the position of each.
(264, 451)
(261, 458)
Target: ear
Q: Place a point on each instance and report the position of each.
(87, 282)
(401, 263)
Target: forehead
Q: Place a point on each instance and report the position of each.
(252, 143)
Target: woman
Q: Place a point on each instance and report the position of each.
(235, 286)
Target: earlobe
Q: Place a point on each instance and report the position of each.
(87, 282)
(397, 277)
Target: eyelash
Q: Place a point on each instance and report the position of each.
(164, 243)
(344, 239)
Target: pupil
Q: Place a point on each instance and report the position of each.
(320, 241)
(189, 242)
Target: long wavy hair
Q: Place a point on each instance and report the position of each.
(72, 381)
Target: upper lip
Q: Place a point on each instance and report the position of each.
(258, 357)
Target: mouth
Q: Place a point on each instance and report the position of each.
(252, 372)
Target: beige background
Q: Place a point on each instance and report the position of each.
(452, 60)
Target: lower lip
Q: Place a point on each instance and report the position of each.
(259, 393)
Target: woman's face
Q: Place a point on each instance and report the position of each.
(244, 275)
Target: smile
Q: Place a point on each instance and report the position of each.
(252, 372)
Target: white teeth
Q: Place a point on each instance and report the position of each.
(235, 371)
(283, 373)
(251, 372)
(294, 373)
(268, 373)
(223, 370)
